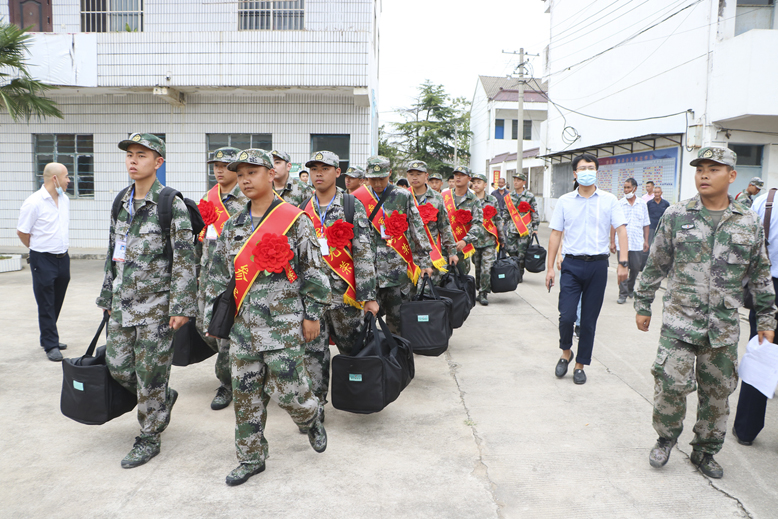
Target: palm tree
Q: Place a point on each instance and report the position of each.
(20, 94)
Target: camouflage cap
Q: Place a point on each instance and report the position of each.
(479, 176)
(418, 165)
(520, 176)
(758, 182)
(355, 172)
(435, 176)
(252, 156)
(325, 157)
(226, 154)
(462, 169)
(281, 155)
(717, 154)
(146, 140)
(378, 167)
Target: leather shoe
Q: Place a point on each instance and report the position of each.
(579, 377)
(561, 366)
(62, 346)
(741, 442)
(54, 355)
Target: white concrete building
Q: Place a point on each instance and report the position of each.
(295, 75)
(624, 74)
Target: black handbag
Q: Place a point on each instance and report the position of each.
(223, 316)
(505, 274)
(89, 394)
(460, 301)
(189, 347)
(425, 321)
(375, 375)
(455, 280)
(535, 258)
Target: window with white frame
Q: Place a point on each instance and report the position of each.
(75, 152)
(111, 15)
(242, 141)
(271, 15)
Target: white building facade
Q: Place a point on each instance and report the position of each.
(296, 76)
(644, 86)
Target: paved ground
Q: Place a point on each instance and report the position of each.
(485, 430)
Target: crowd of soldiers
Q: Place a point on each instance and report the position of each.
(307, 261)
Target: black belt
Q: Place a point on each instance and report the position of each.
(584, 257)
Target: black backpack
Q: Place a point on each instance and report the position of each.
(348, 206)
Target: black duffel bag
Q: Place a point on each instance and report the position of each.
(89, 394)
(379, 368)
(535, 258)
(460, 301)
(454, 279)
(223, 316)
(189, 347)
(505, 274)
(425, 321)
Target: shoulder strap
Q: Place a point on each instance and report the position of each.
(165, 208)
(380, 202)
(768, 213)
(304, 203)
(117, 203)
(348, 207)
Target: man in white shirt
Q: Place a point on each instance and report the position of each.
(638, 223)
(649, 191)
(43, 228)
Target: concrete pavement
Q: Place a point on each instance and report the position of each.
(485, 430)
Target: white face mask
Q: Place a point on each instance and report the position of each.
(57, 188)
(587, 177)
(630, 195)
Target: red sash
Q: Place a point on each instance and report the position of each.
(215, 197)
(521, 221)
(459, 230)
(340, 260)
(435, 255)
(491, 228)
(279, 221)
(399, 244)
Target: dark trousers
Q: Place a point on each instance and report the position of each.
(50, 278)
(635, 261)
(751, 404)
(585, 280)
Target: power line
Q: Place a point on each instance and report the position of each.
(558, 41)
(590, 21)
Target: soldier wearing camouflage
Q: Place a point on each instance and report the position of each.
(435, 181)
(746, 197)
(706, 257)
(147, 282)
(515, 244)
(476, 232)
(355, 178)
(290, 190)
(486, 248)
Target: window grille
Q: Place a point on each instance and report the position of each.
(75, 152)
(271, 15)
(111, 15)
(242, 141)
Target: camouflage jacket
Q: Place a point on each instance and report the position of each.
(528, 197)
(273, 310)
(392, 269)
(295, 192)
(745, 199)
(363, 252)
(472, 204)
(442, 227)
(234, 201)
(488, 238)
(705, 270)
(143, 290)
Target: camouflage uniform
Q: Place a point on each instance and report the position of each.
(486, 248)
(266, 341)
(143, 292)
(394, 286)
(476, 232)
(515, 244)
(439, 229)
(296, 191)
(705, 268)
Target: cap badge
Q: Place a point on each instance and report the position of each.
(219, 154)
(243, 156)
(319, 156)
(708, 154)
(376, 168)
(136, 137)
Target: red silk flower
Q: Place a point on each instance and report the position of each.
(396, 224)
(489, 212)
(429, 213)
(524, 207)
(273, 253)
(208, 212)
(339, 234)
(463, 216)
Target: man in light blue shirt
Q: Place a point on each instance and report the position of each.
(585, 216)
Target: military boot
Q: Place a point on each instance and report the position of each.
(317, 436)
(661, 452)
(144, 449)
(482, 299)
(222, 399)
(707, 464)
(243, 472)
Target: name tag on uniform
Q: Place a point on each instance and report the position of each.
(383, 232)
(324, 246)
(119, 250)
(688, 226)
(210, 234)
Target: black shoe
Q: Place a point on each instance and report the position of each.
(579, 377)
(62, 346)
(661, 452)
(317, 436)
(707, 464)
(54, 355)
(561, 366)
(243, 472)
(741, 442)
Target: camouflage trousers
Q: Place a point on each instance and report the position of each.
(389, 300)
(277, 374)
(483, 260)
(516, 246)
(343, 324)
(222, 349)
(674, 378)
(139, 358)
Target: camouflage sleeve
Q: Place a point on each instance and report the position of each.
(105, 299)
(364, 255)
(315, 290)
(198, 252)
(477, 231)
(535, 216)
(760, 284)
(219, 273)
(447, 241)
(183, 276)
(419, 241)
(659, 262)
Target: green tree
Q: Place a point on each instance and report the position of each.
(20, 94)
(436, 129)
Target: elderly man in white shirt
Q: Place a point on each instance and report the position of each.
(43, 228)
(638, 223)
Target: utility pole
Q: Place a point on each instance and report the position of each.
(520, 121)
